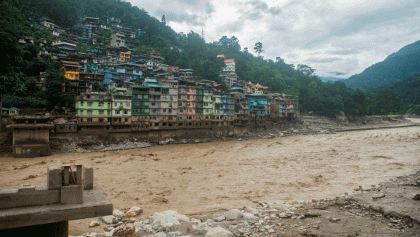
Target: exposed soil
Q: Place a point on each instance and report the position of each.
(205, 177)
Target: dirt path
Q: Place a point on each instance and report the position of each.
(196, 178)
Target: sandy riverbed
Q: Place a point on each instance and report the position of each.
(196, 178)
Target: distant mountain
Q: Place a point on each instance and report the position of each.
(330, 79)
(396, 67)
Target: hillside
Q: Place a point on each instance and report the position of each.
(151, 36)
(408, 91)
(396, 67)
(330, 79)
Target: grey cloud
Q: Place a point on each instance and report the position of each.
(192, 12)
(343, 51)
(323, 60)
(365, 22)
(182, 17)
(256, 9)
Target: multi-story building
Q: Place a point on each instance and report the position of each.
(154, 96)
(121, 100)
(87, 79)
(140, 110)
(230, 104)
(229, 66)
(186, 75)
(207, 101)
(199, 98)
(224, 104)
(182, 100)
(217, 102)
(257, 104)
(191, 101)
(118, 40)
(93, 110)
(169, 95)
(125, 57)
(140, 103)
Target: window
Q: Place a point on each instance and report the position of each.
(101, 112)
(101, 104)
(125, 111)
(89, 104)
(89, 120)
(126, 119)
(89, 112)
(164, 110)
(115, 104)
(117, 112)
(81, 103)
(146, 97)
(127, 104)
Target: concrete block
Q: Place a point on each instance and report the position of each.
(87, 178)
(41, 195)
(54, 177)
(26, 188)
(66, 175)
(79, 171)
(72, 194)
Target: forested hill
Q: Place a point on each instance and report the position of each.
(196, 53)
(330, 79)
(408, 91)
(19, 18)
(396, 67)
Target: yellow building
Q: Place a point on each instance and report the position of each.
(71, 75)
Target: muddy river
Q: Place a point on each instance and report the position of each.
(196, 178)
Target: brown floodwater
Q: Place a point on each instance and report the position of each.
(196, 178)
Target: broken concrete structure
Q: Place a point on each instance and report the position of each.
(31, 135)
(70, 194)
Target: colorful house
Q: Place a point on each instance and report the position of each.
(191, 101)
(93, 110)
(257, 104)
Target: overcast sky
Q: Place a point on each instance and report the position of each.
(337, 38)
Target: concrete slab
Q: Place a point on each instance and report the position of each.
(95, 204)
(87, 177)
(72, 194)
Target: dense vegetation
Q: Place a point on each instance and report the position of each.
(179, 49)
(396, 67)
(21, 68)
(408, 92)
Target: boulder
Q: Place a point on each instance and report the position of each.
(218, 232)
(233, 214)
(167, 217)
(110, 219)
(118, 213)
(93, 224)
(134, 211)
(124, 231)
(249, 216)
(161, 234)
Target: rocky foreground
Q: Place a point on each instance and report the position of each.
(389, 209)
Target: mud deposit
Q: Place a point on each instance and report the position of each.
(198, 178)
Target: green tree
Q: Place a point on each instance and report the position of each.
(258, 48)
(163, 19)
(385, 103)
